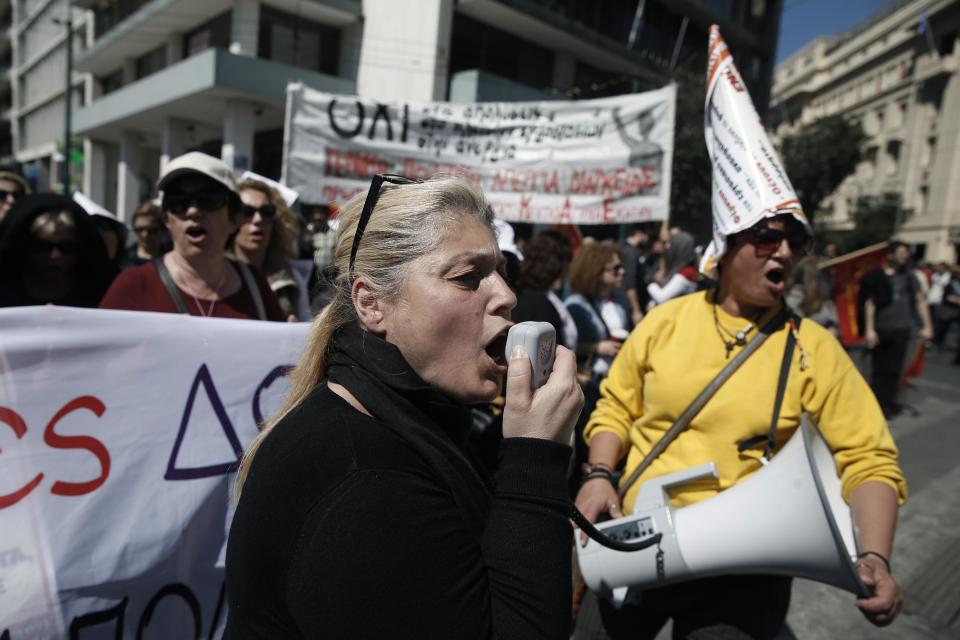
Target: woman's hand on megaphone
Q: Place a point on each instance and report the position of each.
(597, 496)
(884, 605)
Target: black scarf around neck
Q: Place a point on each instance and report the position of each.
(381, 379)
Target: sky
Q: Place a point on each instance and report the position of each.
(804, 20)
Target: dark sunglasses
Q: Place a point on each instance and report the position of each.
(368, 205)
(766, 240)
(267, 211)
(4, 194)
(43, 247)
(148, 230)
(617, 268)
(179, 202)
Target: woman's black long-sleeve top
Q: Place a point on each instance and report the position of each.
(346, 530)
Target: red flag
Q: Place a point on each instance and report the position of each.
(846, 273)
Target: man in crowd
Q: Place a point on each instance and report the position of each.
(893, 301)
(150, 232)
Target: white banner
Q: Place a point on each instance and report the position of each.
(119, 435)
(604, 161)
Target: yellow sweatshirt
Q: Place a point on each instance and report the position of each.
(677, 350)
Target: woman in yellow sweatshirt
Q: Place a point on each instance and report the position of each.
(671, 356)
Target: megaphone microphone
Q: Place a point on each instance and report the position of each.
(788, 518)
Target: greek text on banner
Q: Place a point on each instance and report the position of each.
(603, 161)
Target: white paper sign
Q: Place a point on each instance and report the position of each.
(602, 161)
(119, 435)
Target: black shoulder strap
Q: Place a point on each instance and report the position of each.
(771, 436)
(171, 288)
(251, 283)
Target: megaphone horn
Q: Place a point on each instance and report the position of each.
(788, 518)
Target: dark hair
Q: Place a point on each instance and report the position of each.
(588, 265)
(807, 276)
(896, 244)
(544, 259)
(147, 210)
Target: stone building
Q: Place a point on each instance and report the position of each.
(896, 74)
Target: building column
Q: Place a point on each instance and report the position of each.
(245, 27)
(128, 176)
(238, 128)
(94, 171)
(416, 73)
(174, 141)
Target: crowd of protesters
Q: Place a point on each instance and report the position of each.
(215, 247)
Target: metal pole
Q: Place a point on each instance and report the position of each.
(68, 104)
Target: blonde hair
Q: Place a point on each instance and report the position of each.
(408, 222)
(283, 239)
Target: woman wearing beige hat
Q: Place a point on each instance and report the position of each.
(200, 209)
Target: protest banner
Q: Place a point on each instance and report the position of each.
(749, 182)
(119, 436)
(603, 161)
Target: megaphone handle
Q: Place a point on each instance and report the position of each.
(606, 541)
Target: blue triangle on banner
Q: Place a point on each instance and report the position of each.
(192, 473)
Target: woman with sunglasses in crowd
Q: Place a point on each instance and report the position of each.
(201, 210)
(52, 253)
(267, 239)
(362, 513)
(676, 351)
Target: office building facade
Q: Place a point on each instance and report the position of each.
(896, 75)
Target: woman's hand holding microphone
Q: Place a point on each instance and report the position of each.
(548, 413)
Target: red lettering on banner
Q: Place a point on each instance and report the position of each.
(415, 170)
(343, 163)
(56, 441)
(12, 419)
(613, 184)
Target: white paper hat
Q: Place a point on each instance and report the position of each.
(289, 195)
(506, 237)
(749, 182)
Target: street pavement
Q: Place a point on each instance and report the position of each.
(926, 558)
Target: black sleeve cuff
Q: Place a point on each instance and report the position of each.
(533, 467)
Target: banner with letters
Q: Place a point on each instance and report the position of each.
(604, 161)
(119, 436)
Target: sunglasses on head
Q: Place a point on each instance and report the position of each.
(368, 205)
(267, 211)
(767, 240)
(178, 202)
(45, 247)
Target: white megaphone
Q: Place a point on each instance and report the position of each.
(788, 518)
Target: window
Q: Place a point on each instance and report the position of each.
(213, 33)
(477, 45)
(295, 41)
(111, 82)
(151, 62)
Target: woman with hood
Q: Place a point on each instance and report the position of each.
(51, 253)
(679, 274)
